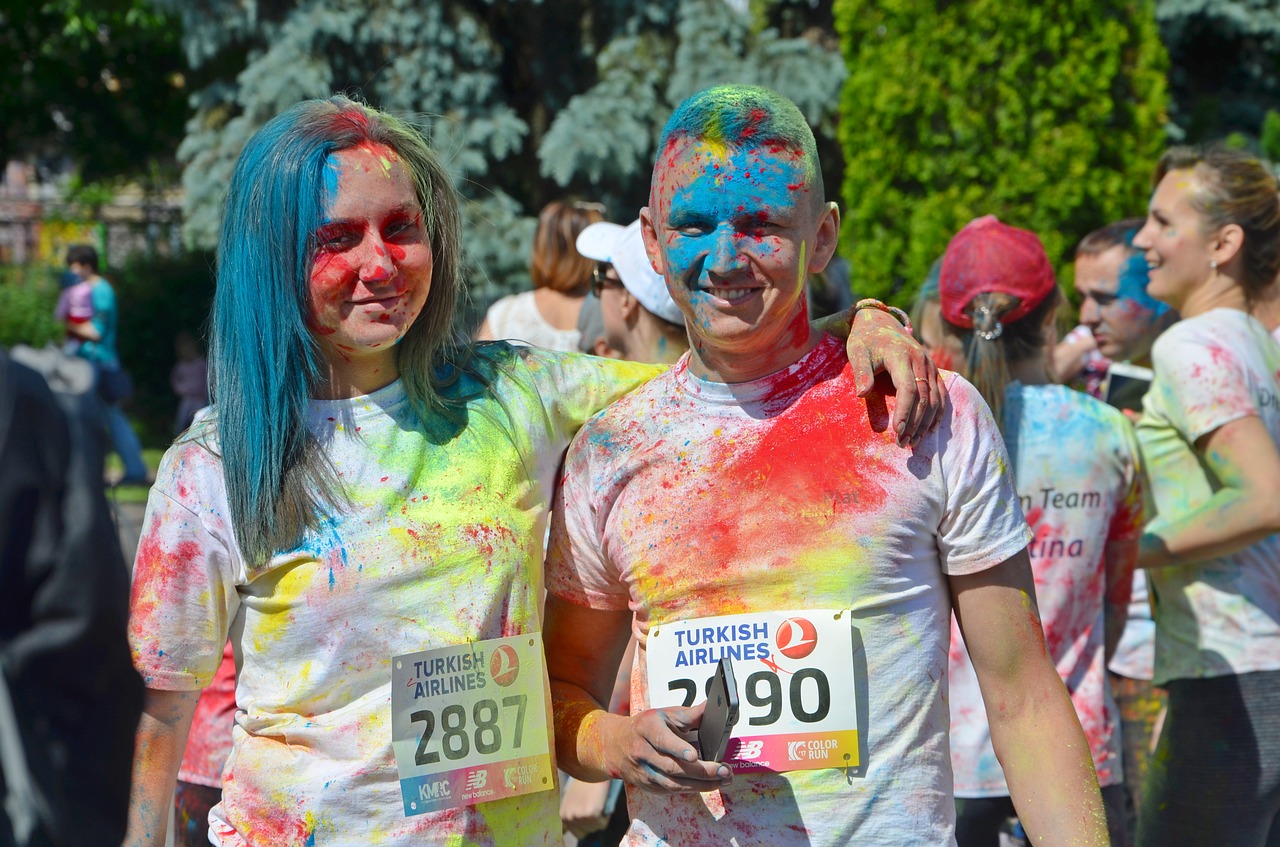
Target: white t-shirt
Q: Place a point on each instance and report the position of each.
(1076, 464)
(516, 319)
(1135, 655)
(1222, 616)
(440, 543)
(692, 499)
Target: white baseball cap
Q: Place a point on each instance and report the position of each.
(623, 247)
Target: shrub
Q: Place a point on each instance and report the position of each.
(158, 298)
(1049, 115)
(28, 296)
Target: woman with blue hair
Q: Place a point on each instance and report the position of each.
(363, 513)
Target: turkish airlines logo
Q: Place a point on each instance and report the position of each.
(504, 666)
(796, 638)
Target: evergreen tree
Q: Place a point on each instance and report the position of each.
(604, 142)
(526, 100)
(1224, 75)
(1049, 115)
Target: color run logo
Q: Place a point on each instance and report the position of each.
(796, 638)
(504, 666)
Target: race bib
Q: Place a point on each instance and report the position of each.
(469, 723)
(797, 701)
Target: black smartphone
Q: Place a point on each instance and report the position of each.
(1126, 384)
(721, 714)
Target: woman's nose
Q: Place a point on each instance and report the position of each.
(377, 266)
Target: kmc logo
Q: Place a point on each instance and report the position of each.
(504, 667)
(796, 638)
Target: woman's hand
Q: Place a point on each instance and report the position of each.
(648, 751)
(878, 342)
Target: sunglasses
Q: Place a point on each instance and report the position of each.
(600, 278)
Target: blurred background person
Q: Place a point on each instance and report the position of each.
(926, 317)
(641, 321)
(1209, 431)
(98, 345)
(1124, 321)
(189, 379)
(1075, 462)
(69, 696)
(548, 315)
(1112, 278)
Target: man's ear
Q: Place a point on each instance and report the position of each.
(649, 232)
(826, 234)
(629, 306)
(601, 348)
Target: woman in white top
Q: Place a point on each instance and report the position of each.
(1209, 433)
(547, 316)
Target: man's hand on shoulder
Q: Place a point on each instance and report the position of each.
(878, 341)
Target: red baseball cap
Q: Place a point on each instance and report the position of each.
(990, 256)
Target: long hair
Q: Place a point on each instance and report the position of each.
(993, 345)
(264, 362)
(556, 262)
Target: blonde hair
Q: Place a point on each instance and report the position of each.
(993, 345)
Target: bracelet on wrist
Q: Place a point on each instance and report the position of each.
(872, 303)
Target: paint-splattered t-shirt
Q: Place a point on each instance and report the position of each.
(691, 499)
(1222, 616)
(440, 543)
(1076, 464)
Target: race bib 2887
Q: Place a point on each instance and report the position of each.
(469, 723)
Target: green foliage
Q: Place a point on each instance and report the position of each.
(603, 143)
(468, 74)
(96, 81)
(157, 299)
(1047, 115)
(1224, 71)
(527, 101)
(27, 300)
(1270, 140)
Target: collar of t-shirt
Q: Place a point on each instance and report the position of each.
(824, 361)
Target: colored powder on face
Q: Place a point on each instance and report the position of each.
(1132, 284)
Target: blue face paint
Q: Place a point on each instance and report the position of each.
(726, 210)
(1135, 274)
(735, 230)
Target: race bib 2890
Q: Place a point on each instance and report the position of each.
(797, 699)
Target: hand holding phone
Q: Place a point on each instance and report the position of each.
(721, 714)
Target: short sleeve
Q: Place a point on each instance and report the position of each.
(983, 524)
(577, 568)
(183, 596)
(1202, 382)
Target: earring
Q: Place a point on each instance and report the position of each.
(1213, 264)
